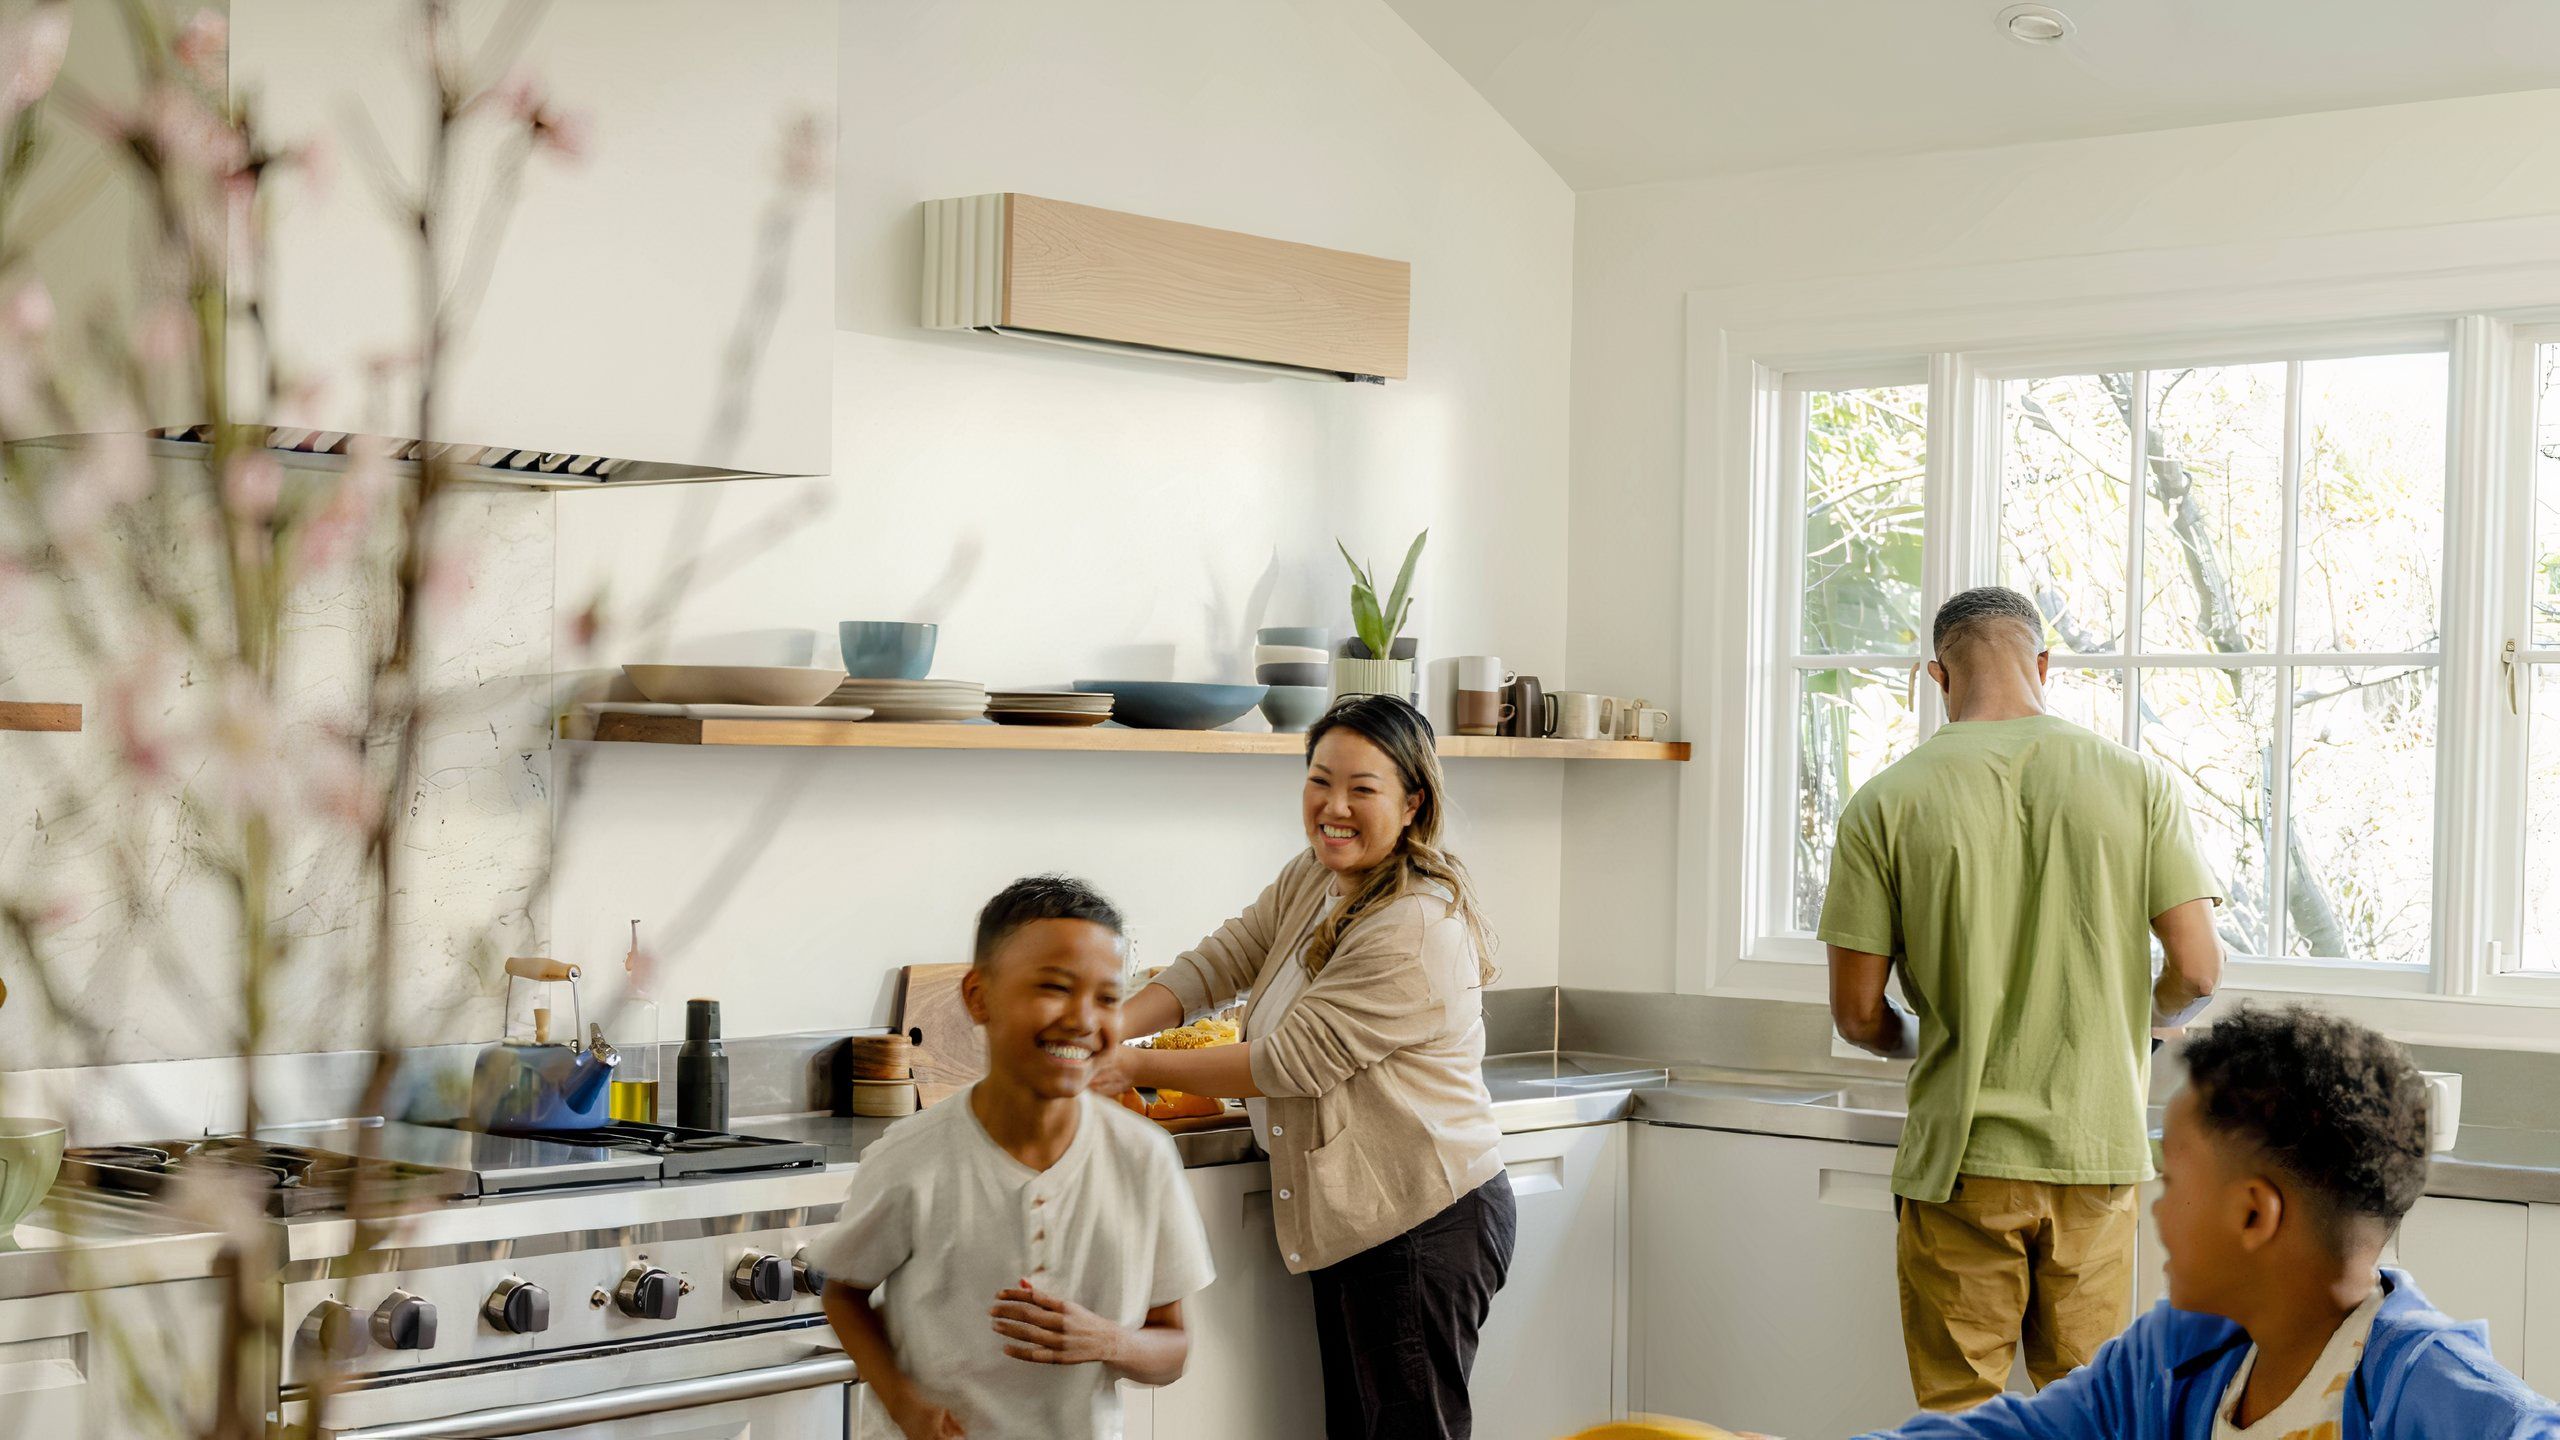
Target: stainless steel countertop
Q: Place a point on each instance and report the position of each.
(76, 1242)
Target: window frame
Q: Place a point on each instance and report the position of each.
(1748, 343)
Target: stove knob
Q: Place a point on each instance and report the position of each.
(518, 1307)
(808, 1277)
(404, 1322)
(647, 1293)
(331, 1332)
(761, 1279)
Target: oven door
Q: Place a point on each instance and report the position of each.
(776, 1385)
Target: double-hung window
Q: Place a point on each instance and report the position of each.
(2242, 567)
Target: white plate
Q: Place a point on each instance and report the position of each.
(733, 684)
(845, 713)
(1290, 655)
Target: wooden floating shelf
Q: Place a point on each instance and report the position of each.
(39, 715)
(877, 735)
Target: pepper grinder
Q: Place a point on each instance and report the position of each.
(702, 1070)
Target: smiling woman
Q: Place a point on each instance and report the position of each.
(1363, 1064)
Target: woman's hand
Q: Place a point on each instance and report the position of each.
(1049, 1330)
(1114, 1072)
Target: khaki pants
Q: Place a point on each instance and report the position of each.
(2005, 1260)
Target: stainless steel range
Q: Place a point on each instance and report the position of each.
(544, 1285)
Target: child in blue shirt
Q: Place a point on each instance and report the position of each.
(2298, 1143)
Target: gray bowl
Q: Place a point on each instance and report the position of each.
(1294, 674)
(1314, 637)
(1292, 708)
(1173, 704)
(886, 649)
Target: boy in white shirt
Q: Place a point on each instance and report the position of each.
(1029, 1243)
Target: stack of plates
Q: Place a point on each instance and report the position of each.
(1047, 707)
(915, 701)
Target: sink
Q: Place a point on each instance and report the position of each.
(1764, 1094)
(1605, 1080)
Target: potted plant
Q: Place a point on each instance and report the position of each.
(1376, 625)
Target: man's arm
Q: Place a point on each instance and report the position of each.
(1864, 1014)
(2194, 967)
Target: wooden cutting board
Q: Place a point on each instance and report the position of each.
(949, 1050)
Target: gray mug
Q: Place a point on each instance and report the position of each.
(1531, 716)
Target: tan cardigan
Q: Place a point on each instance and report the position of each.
(1379, 1118)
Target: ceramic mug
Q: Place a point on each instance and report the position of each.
(1481, 712)
(1581, 715)
(30, 1156)
(1482, 672)
(1636, 722)
(1531, 715)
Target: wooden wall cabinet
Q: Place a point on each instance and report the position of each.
(1047, 269)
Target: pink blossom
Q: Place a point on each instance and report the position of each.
(191, 138)
(804, 153)
(166, 333)
(521, 98)
(337, 530)
(447, 581)
(27, 313)
(251, 484)
(318, 164)
(138, 741)
(204, 43)
(31, 52)
(335, 785)
(245, 765)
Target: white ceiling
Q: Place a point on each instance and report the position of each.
(1619, 92)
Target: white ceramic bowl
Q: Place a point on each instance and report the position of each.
(1290, 655)
(734, 684)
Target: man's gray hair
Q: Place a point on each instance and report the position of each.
(1971, 615)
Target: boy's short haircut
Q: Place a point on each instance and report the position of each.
(1040, 897)
(2340, 1110)
(1980, 614)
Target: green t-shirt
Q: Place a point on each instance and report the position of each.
(2011, 868)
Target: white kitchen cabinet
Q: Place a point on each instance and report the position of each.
(1763, 1282)
(103, 1365)
(1551, 1361)
(1253, 1372)
(2542, 1300)
(2469, 1258)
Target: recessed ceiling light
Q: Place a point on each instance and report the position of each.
(2035, 24)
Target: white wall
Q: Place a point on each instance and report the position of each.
(1639, 250)
(1063, 516)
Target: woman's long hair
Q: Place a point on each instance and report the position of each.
(1418, 864)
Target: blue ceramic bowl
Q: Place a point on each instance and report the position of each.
(1294, 674)
(1173, 704)
(886, 649)
(1314, 637)
(1292, 708)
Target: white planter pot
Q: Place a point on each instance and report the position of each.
(1372, 677)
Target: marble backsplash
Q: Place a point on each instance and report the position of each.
(141, 931)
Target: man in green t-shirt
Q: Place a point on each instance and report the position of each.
(2016, 867)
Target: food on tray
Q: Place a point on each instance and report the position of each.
(1198, 1035)
(1175, 1105)
(1135, 1101)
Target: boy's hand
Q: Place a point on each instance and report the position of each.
(1048, 1330)
(924, 1420)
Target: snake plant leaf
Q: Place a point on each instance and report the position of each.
(1400, 602)
(1359, 577)
(1371, 625)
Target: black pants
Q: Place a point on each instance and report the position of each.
(1396, 1324)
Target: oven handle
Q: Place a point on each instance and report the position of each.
(627, 1404)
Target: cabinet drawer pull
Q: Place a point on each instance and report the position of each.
(1855, 1190)
(1536, 1177)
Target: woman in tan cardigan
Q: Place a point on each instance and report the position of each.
(1363, 1065)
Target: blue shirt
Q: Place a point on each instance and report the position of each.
(2424, 1377)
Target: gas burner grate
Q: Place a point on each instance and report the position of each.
(691, 1152)
(297, 1179)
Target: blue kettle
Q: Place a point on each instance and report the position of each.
(544, 1086)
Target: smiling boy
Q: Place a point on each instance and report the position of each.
(2296, 1147)
(1029, 1243)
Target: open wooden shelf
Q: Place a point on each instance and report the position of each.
(39, 715)
(872, 734)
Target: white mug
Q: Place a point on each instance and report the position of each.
(1635, 722)
(1482, 672)
(1581, 715)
